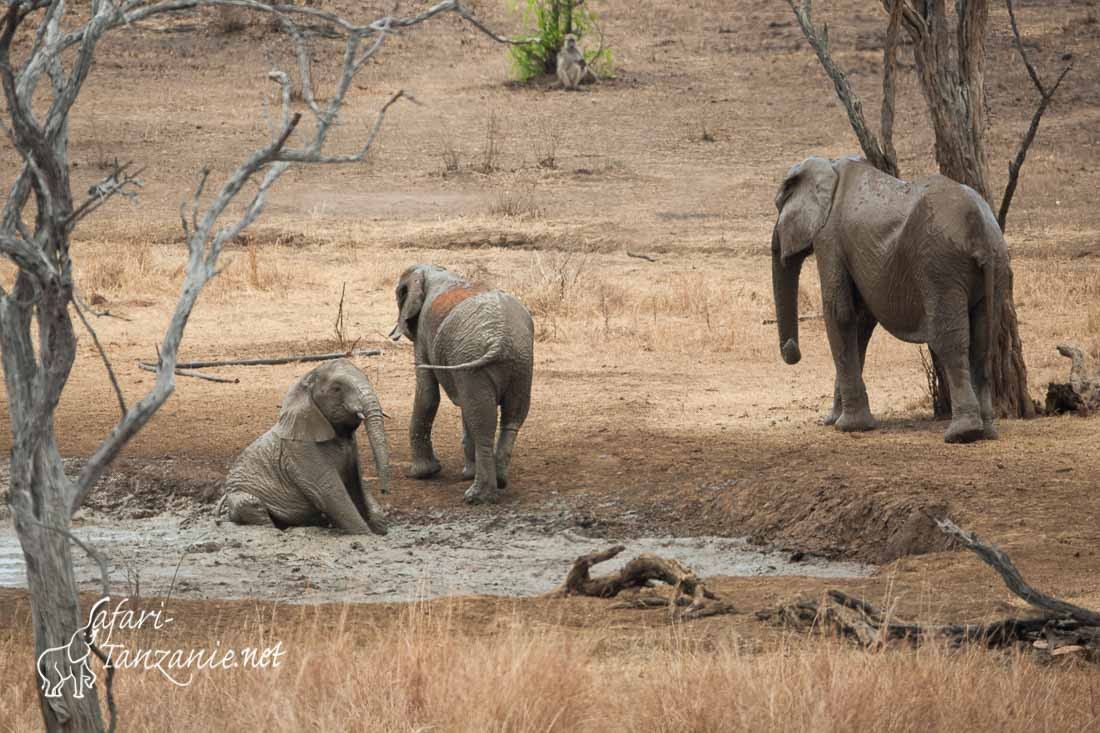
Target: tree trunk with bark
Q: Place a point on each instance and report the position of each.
(951, 72)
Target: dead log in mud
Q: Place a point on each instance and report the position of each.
(690, 598)
(1081, 394)
(1066, 630)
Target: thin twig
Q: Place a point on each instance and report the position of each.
(102, 355)
(640, 256)
(811, 317)
(274, 360)
(1045, 97)
(189, 373)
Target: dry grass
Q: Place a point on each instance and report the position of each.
(130, 269)
(427, 673)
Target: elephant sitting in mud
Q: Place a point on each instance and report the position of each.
(926, 259)
(479, 344)
(305, 469)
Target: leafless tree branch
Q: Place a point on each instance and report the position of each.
(103, 356)
(889, 69)
(999, 561)
(180, 371)
(819, 41)
(1045, 97)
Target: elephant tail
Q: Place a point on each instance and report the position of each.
(989, 273)
(494, 353)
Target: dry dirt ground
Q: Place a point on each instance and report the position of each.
(661, 406)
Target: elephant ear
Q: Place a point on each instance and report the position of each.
(300, 418)
(411, 300)
(804, 202)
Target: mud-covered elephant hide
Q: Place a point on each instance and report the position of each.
(478, 344)
(305, 469)
(925, 259)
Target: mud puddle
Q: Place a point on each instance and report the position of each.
(500, 555)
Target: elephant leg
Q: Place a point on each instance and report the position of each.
(469, 470)
(866, 326)
(979, 350)
(479, 412)
(952, 346)
(513, 413)
(842, 327)
(425, 405)
(244, 508)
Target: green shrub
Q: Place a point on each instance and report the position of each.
(553, 19)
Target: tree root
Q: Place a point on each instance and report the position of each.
(690, 598)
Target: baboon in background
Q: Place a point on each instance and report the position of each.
(572, 68)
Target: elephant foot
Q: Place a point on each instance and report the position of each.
(477, 495)
(855, 422)
(424, 469)
(378, 525)
(989, 432)
(964, 429)
(502, 480)
(830, 418)
(469, 471)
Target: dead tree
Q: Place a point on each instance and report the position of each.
(949, 55)
(46, 54)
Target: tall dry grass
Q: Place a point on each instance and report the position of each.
(429, 672)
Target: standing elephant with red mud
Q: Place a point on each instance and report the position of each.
(925, 259)
(479, 345)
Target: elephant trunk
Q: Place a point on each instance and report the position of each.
(785, 286)
(371, 414)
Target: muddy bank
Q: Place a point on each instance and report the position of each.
(507, 554)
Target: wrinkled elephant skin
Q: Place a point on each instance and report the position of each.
(305, 469)
(478, 344)
(925, 259)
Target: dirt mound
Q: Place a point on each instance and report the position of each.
(845, 524)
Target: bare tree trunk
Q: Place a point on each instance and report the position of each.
(952, 80)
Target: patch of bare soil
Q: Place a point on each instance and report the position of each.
(661, 408)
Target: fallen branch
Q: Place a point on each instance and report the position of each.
(811, 317)
(180, 371)
(999, 561)
(274, 360)
(640, 256)
(1063, 629)
(837, 613)
(689, 592)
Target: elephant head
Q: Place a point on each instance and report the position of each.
(330, 401)
(411, 289)
(804, 201)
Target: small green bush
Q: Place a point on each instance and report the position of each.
(553, 19)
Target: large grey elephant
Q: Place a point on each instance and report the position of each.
(926, 259)
(305, 469)
(479, 344)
